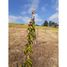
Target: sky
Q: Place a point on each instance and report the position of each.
(20, 11)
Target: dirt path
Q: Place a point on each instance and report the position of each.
(45, 51)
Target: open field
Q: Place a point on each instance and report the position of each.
(45, 50)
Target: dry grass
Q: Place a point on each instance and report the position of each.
(45, 50)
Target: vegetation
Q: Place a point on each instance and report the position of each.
(50, 23)
(43, 39)
(45, 23)
(14, 25)
(30, 38)
(44, 49)
(53, 24)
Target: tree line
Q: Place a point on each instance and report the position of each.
(49, 23)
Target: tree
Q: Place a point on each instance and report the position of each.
(53, 24)
(50, 23)
(45, 23)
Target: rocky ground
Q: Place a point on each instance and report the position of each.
(45, 49)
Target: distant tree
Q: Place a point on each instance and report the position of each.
(50, 23)
(56, 25)
(45, 23)
(53, 24)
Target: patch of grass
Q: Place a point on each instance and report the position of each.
(54, 29)
(14, 25)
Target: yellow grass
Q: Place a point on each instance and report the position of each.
(45, 50)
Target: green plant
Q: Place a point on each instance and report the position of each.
(30, 40)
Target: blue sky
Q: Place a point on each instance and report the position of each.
(20, 10)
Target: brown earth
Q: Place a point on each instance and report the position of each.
(45, 49)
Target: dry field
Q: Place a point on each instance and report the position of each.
(45, 49)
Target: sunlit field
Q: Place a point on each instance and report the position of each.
(45, 49)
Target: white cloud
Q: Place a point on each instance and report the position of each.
(37, 18)
(30, 6)
(15, 18)
(34, 5)
(12, 19)
(54, 17)
(25, 19)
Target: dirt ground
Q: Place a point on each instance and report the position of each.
(45, 49)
